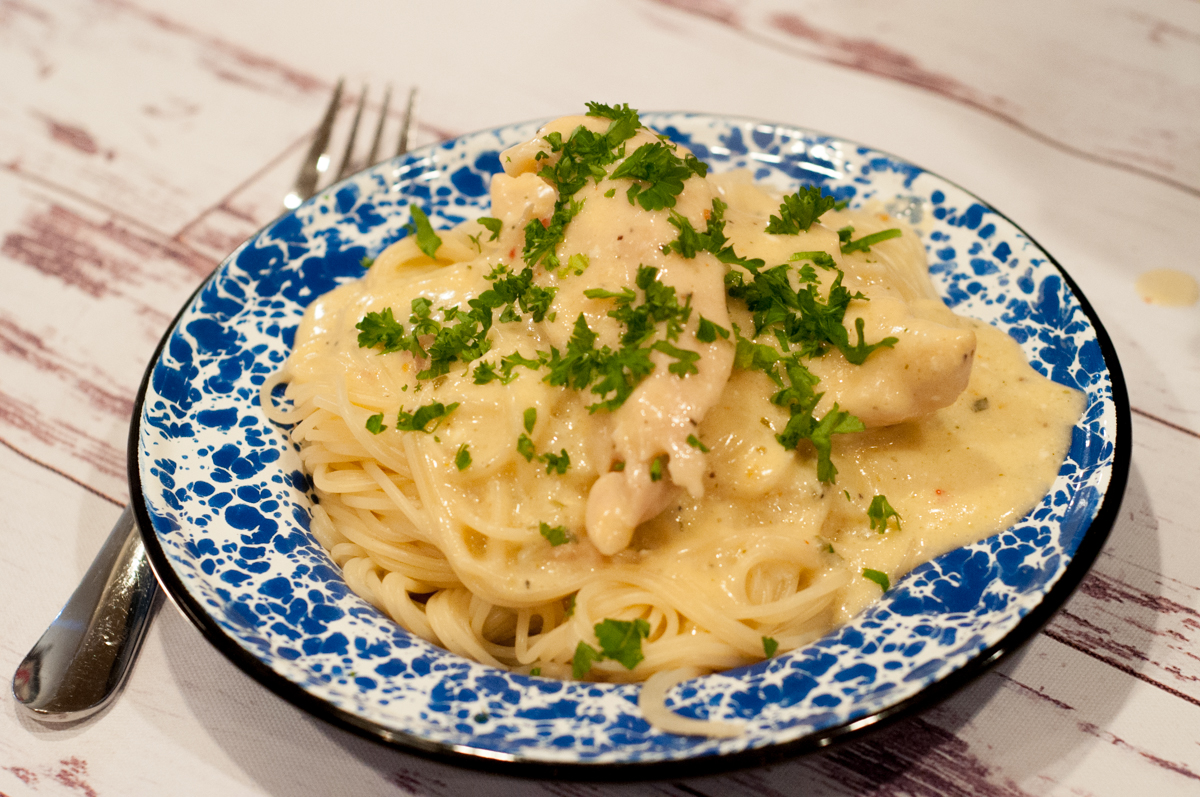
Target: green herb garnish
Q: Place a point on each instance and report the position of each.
(879, 578)
(556, 463)
(375, 423)
(800, 210)
(555, 535)
(427, 240)
(525, 447)
(865, 243)
(423, 416)
(462, 460)
(880, 511)
(493, 226)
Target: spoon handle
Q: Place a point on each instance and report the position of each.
(82, 659)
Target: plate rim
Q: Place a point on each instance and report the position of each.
(1090, 545)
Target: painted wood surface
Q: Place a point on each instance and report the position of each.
(141, 141)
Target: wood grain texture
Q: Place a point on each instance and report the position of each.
(141, 141)
(995, 57)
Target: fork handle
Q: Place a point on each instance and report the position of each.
(83, 658)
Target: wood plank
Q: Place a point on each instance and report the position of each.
(136, 111)
(990, 56)
(92, 295)
(1139, 608)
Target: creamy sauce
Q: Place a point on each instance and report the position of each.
(962, 436)
(1168, 287)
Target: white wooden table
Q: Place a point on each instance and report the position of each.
(141, 140)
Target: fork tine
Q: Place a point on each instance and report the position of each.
(387, 98)
(306, 180)
(402, 145)
(348, 155)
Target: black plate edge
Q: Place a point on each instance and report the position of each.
(1089, 548)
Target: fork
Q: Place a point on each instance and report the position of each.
(82, 660)
(317, 161)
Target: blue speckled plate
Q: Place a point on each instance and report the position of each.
(224, 506)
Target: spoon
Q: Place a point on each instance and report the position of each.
(82, 660)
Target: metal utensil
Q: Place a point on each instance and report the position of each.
(317, 161)
(82, 660)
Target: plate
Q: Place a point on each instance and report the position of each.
(224, 505)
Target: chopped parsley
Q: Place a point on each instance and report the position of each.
(423, 416)
(620, 640)
(980, 405)
(685, 363)
(694, 442)
(577, 264)
(525, 447)
(427, 240)
(880, 511)
(536, 671)
(611, 375)
(658, 174)
(708, 331)
(656, 469)
(530, 419)
(555, 535)
(375, 423)
(462, 460)
(556, 463)
(367, 262)
(822, 259)
(381, 330)
(859, 352)
(878, 577)
(585, 656)
(493, 226)
(769, 646)
(865, 243)
(800, 210)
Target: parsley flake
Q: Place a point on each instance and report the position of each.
(493, 226)
(708, 331)
(375, 423)
(694, 442)
(462, 460)
(878, 577)
(555, 535)
(865, 243)
(530, 419)
(423, 416)
(822, 259)
(769, 646)
(621, 640)
(556, 463)
(799, 211)
(585, 656)
(427, 240)
(525, 447)
(880, 511)
(658, 174)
